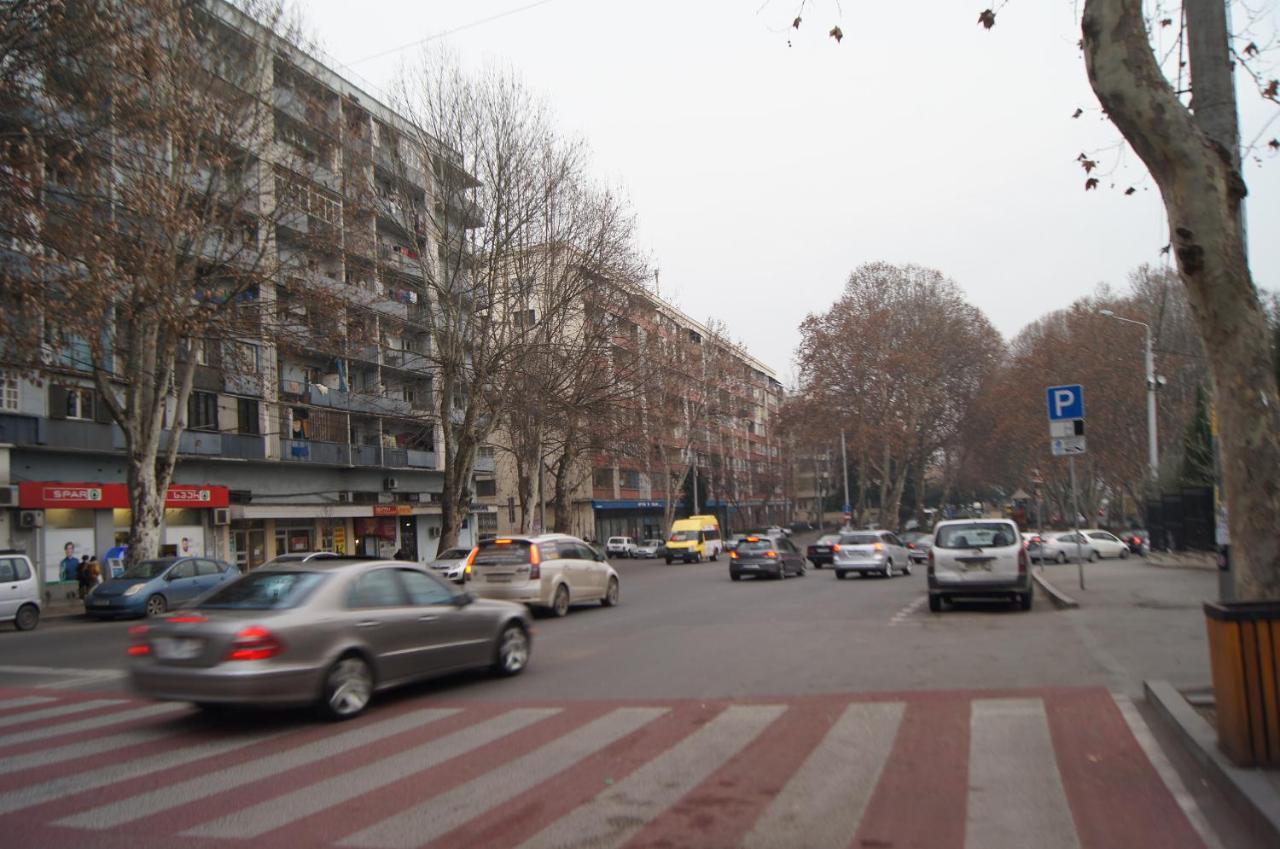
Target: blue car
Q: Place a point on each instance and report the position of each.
(150, 587)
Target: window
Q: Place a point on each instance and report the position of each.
(247, 416)
(79, 402)
(185, 569)
(424, 589)
(202, 411)
(207, 567)
(486, 487)
(264, 591)
(13, 569)
(630, 479)
(602, 479)
(8, 391)
(376, 589)
(487, 521)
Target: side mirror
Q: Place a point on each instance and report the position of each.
(464, 599)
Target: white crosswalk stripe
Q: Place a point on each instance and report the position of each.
(426, 822)
(92, 724)
(613, 817)
(25, 701)
(1014, 786)
(281, 810)
(84, 748)
(823, 802)
(60, 710)
(183, 792)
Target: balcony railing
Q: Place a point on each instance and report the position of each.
(308, 451)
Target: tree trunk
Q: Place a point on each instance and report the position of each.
(560, 491)
(1202, 193)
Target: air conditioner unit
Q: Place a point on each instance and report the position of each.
(390, 483)
(344, 497)
(31, 519)
(8, 496)
(222, 515)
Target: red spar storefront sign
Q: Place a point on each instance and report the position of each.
(35, 495)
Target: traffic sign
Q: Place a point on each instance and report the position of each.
(1065, 402)
(1067, 446)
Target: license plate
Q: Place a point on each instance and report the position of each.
(821, 550)
(101, 602)
(499, 579)
(172, 648)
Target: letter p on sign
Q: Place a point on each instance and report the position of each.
(1065, 402)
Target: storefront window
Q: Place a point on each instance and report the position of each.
(68, 537)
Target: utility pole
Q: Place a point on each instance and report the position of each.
(1075, 522)
(844, 462)
(695, 483)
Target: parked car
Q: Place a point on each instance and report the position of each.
(620, 547)
(820, 553)
(978, 558)
(1091, 544)
(801, 527)
(451, 564)
(650, 548)
(870, 552)
(150, 587)
(551, 571)
(19, 591)
(298, 557)
(918, 544)
(330, 632)
(772, 557)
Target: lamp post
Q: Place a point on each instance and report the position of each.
(1153, 458)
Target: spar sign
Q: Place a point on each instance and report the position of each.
(48, 495)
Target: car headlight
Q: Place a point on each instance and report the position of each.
(134, 590)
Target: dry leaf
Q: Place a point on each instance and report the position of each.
(1166, 22)
(1077, 113)
(1130, 190)
(1251, 49)
(796, 22)
(1091, 183)
(1272, 90)
(836, 33)
(1274, 144)
(987, 18)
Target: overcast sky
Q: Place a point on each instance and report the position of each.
(763, 174)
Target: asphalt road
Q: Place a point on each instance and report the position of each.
(688, 631)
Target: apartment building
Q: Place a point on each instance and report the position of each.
(290, 446)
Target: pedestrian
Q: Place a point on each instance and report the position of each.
(82, 576)
(94, 570)
(67, 568)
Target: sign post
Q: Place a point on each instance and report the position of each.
(1066, 434)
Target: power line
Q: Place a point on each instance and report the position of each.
(450, 32)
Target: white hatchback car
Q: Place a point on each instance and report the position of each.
(978, 558)
(870, 552)
(19, 591)
(1092, 544)
(551, 571)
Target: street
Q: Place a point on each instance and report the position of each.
(700, 712)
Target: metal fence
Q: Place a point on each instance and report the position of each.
(1182, 520)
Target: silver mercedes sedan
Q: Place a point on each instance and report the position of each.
(329, 632)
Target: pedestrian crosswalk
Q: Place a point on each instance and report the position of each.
(1059, 769)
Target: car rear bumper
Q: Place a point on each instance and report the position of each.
(773, 569)
(250, 683)
(526, 593)
(955, 585)
(859, 565)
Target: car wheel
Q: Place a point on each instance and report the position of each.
(734, 576)
(156, 605)
(511, 655)
(714, 556)
(1093, 555)
(840, 574)
(611, 594)
(27, 618)
(1124, 553)
(1061, 558)
(935, 603)
(906, 570)
(1024, 601)
(348, 687)
(888, 569)
(803, 570)
(668, 559)
(560, 604)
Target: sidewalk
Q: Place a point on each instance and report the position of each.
(1206, 560)
(59, 606)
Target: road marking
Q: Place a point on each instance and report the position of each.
(60, 710)
(1015, 789)
(74, 677)
(440, 815)
(1169, 775)
(115, 718)
(282, 810)
(908, 610)
(9, 704)
(60, 788)
(822, 804)
(184, 792)
(617, 814)
(84, 748)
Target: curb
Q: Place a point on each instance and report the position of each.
(1060, 600)
(1248, 791)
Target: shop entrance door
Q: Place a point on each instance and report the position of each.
(250, 548)
(409, 537)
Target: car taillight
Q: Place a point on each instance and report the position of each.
(878, 547)
(1022, 561)
(254, 643)
(535, 562)
(733, 555)
(836, 548)
(138, 637)
(911, 545)
(187, 619)
(771, 554)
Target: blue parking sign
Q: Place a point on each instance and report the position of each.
(1065, 402)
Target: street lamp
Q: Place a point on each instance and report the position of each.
(1153, 458)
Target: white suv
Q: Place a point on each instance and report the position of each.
(551, 571)
(978, 558)
(620, 547)
(19, 591)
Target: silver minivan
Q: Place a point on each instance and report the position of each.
(19, 591)
(551, 571)
(978, 558)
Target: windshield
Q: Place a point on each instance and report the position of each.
(859, 539)
(747, 545)
(504, 552)
(683, 536)
(264, 590)
(454, 554)
(147, 569)
(829, 539)
(976, 535)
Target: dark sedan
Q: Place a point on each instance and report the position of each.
(822, 552)
(765, 557)
(329, 632)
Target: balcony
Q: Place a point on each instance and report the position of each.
(20, 430)
(366, 455)
(243, 446)
(405, 260)
(387, 160)
(486, 464)
(307, 451)
(242, 384)
(420, 459)
(198, 442)
(357, 402)
(405, 360)
(84, 436)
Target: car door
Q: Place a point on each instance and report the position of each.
(593, 568)
(794, 559)
(450, 636)
(1106, 544)
(574, 569)
(898, 551)
(208, 575)
(10, 587)
(182, 582)
(379, 612)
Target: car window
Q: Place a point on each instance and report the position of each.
(147, 569)
(264, 591)
(454, 554)
(185, 569)
(207, 567)
(22, 568)
(505, 552)
(891, 539)
(1104, 536)
(8, 569)
(378, 588)
(859, 539)
(424, 589)
(756, 544)
(976, 535)
(788, 546)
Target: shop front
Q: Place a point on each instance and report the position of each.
(635, 519)
(80, 519)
